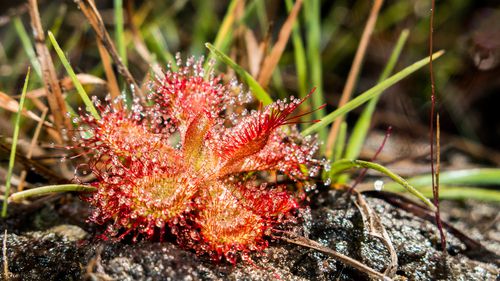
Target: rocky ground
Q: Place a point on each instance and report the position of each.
(50, 240)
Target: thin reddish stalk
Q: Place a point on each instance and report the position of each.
(435, 174)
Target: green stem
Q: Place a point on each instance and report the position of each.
(479, 176)
(346, 164)
(224, 35)
(44, 190)
(78, 86)
(14, 145)
(360, 130)
(27, 45)
(453, 192)
(312, 12)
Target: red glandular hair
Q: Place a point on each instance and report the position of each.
(187, 163)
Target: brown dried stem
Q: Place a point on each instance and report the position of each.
(93, 16)
(114, 89)
(376, 229)
(354, 72)
(308, 243)
(54, 93)
(10, 104)
(34, 140)
(271, 61)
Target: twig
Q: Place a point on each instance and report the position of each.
(92, 14)
(271, 61)
(34, 140)
(354, 72)
(54, 92)
(35, 166)
(474, 248)
(93, 270)
(377, 229)
(8, 103)
(308, 243)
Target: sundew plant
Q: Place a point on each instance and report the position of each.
(214, 163)
(215, 154)
(190, 162)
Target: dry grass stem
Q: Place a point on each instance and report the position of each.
(67, 84)
(254, 53)
(354, 72)
(10, 104)
(112, 83)
(271, 61)
(376, 229)
(54, 92)
(33, 142)
(93, 16)
(308, 243)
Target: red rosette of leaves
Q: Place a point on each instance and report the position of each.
(187, 162)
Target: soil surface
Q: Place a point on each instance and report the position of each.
(49, 240)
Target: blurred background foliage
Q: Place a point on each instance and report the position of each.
(466, 77)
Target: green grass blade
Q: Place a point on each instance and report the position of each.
(464, 193)
(473, 177)
(361, 127)
(58, 21)
(300, 62)
(119, 30)
(44, 190)
(255, 87)
(312, 12)
(396, 52)
(346, 164)
(224, 35)
(14, 145)
(159, 46)
(371, 93)
(260, 7)
(78, 86)
(360, 130)
(339, 145)
(456, 192)
(205, 19)
(27, 45)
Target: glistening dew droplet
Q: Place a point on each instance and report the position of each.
(378, 185)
